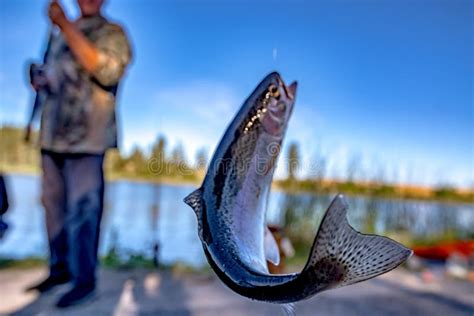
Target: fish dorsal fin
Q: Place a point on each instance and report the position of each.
(195, 201)
(272, 253)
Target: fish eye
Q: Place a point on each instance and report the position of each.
(274, 91)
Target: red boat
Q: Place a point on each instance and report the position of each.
(443, 251)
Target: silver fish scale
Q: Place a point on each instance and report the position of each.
(239, 209)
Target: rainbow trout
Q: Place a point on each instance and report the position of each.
(231, 203)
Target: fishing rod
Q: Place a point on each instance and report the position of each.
(40, 93)
(39, 70)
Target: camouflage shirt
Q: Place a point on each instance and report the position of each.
(79, 108)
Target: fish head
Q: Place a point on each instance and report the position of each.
(273, 104)
(263, 120)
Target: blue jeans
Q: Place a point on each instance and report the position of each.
(72, 196)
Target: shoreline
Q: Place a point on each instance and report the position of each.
(279, 185)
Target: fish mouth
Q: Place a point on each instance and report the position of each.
(290, 90)
(273, 97)
(276, 78)
(290, 93)
(280, 107)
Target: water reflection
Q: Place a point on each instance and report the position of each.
(155, 211)
(151, 220)
(423, 221)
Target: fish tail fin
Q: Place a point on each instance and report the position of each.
(342, 256)
(289, 309)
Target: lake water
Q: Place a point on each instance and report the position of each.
(137, 215)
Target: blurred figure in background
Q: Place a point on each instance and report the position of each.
(3, 205)
(84, 64)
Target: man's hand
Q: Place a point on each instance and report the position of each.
(56, 15)
(38, 78)
(82, 48)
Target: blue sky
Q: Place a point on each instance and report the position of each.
(390, 81)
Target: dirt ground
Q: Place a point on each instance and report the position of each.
(145, 292)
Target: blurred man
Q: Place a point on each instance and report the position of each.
(84, 65)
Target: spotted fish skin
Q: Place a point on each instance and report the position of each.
(230, 207)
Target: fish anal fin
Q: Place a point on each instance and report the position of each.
(272, 252)
(342, 256)
(194, 200)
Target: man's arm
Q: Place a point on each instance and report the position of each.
(86, 53)
(105, 59)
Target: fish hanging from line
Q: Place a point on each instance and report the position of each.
(231, 203)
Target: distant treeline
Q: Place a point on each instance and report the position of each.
(161, 163)
(378, 189)
(15, 154)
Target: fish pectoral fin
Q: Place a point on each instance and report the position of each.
(289, 309)
(195, 201)
(341, 255)
(272, 252)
